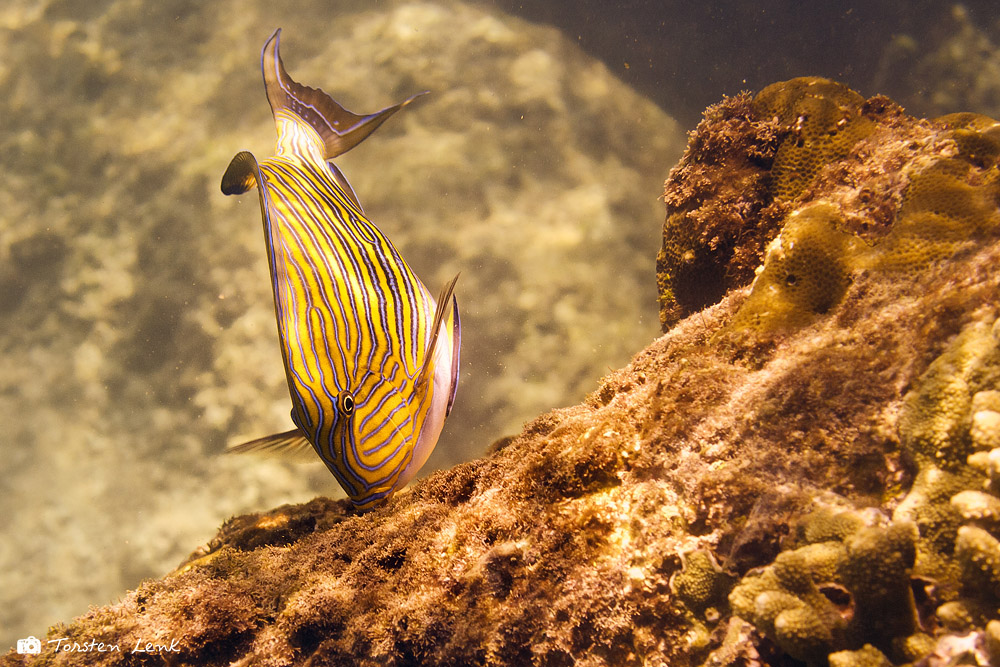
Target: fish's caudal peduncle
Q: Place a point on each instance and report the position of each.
(371, 358)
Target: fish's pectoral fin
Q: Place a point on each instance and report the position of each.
(288, 446)
(444, 302)
(339, 129)
(241, 175)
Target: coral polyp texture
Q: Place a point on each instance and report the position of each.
(840, 589)
(822, 120)
(805, 472)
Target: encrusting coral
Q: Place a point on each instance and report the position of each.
(701, 585)
(823, 120)
(947, 204)
(816, 482)
(806, 270)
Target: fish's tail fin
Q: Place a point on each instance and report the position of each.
(339, 129)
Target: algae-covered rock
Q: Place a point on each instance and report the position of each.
(719, 209)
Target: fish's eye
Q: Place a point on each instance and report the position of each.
(345, 401)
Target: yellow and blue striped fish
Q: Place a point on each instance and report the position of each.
(371, 359)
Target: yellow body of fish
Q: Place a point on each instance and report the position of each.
(371, 358)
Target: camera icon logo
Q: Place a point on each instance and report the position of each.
(29, 645)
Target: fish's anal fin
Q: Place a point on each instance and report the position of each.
(288, 446)
(339, 129)
(444, 302)
(241, 175)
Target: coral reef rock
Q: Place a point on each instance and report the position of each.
(807, 470)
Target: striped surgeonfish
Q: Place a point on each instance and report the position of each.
(370, 357)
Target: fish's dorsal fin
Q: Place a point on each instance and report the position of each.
(339, 129)
(443, 303)
(338, 176)
(288, 446)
